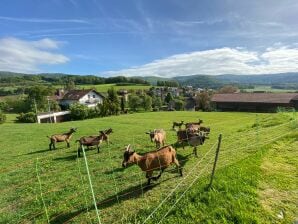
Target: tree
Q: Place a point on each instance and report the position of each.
(134, 102)
(2, 117)
(78, 111)
(169, 97)
(114, 104)
(69, 84)
(179, 104)
(37, 96)
(147, 102)
(228, 89)
(122, 104)
(156, 102)
(203, 101)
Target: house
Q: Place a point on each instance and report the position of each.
(88, 97)
(254, 102)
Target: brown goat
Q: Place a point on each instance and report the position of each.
(194, 126)
(107, 133)
(92, 141)
(192, 138)
(151, 161)
(177, 124)
(183, 136)
(158, 136)
(61, 138)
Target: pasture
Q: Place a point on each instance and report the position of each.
(254, 181)
(106, 87)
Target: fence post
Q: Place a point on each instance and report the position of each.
(215, 160)
(91, 186)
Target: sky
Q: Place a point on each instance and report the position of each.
(164, 38)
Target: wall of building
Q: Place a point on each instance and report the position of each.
(249, 107)
(90, 98)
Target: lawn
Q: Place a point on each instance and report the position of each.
(105, 87)
(39, 185)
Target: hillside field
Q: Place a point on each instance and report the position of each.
(105, 87)
(255, 180)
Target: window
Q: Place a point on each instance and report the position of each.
(93, 96)
(88, 96)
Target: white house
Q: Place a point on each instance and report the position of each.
(88, 97)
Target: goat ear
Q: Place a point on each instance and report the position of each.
(148, 132)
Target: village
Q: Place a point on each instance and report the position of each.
(174, 98)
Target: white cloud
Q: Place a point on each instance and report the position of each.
(219, 61)
(25, 56)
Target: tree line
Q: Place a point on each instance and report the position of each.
(61, 79)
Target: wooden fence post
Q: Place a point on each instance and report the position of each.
(215, 160)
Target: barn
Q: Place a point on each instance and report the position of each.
(254, 102)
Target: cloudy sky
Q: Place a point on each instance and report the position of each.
(144, 37)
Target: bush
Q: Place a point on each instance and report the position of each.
(179, 104)
(2, 117)
(29, 117)
(79, 111)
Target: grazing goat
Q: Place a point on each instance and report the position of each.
(92, 141)
(192, 138)
(194, 126)
(158, 136)
(183, 136)
(155, 160)
(177, 124)
(195, 140)
(107, 132)
(61, 138)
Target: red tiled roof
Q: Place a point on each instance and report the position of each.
(255, 97)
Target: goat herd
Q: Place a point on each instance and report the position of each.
(194, 135)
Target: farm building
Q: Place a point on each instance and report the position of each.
(254, 102)
(88, 97)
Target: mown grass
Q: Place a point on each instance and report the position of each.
(106, 87)
(119, 192)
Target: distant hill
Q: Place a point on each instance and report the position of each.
(216, 81)
(282, 78)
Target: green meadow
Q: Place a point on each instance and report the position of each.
(106, 87)
(255, 179)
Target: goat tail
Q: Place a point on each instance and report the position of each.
(48, 137)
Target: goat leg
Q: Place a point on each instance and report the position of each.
(195, 151)
(50, 146)
(79, 151)
(68, 145)
(97, 149)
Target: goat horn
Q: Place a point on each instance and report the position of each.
(127, 147)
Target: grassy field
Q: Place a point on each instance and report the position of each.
(269, 89)
(105, 87)
(255, 178)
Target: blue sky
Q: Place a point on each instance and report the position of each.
(149, 37)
